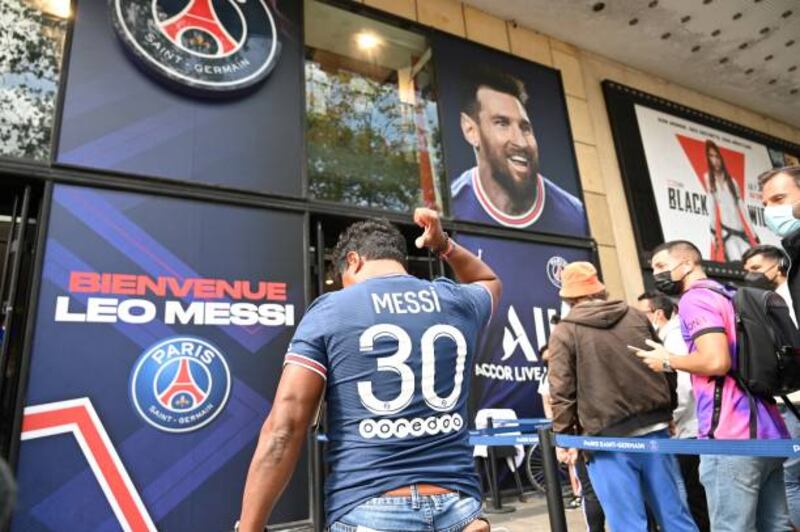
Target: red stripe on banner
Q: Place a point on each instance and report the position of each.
(79, 417)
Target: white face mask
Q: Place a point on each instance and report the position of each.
(565, 308)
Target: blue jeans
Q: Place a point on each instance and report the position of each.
(791, 470)
(450, 512)
(745, 493)
(624, 483)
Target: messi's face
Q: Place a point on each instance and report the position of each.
(506, 140)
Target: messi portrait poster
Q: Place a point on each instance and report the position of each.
(507, 143)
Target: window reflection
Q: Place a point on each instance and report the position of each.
(30, 64)
(373, 133)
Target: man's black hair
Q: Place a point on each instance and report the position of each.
(372, 239)
(768, 251)
(490, 79)
(659, 301)
(681, 245)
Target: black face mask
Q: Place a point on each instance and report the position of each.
(758, 280)
(666, 284)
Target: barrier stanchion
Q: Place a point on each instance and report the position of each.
(497, 504)
(317, 510)
(555, 502)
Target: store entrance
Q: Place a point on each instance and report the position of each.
(20, 212)
(325, 233)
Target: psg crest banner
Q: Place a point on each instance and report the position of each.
(198, 91)
(160, 334)
(509, 368)
(705, 184)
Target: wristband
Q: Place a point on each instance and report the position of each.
(448, 249)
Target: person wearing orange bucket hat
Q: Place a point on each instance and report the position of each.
(598, 388)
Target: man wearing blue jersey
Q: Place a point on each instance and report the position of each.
(505, 187)
(393, 355)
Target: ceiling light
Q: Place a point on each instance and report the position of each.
(329, 281)
(55, 8)
(367, 41)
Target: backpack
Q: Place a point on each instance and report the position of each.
(768, 362)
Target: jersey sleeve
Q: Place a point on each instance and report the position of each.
(477, 296)
(308, 347)
(701, 313)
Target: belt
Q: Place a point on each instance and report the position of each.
(423, 490)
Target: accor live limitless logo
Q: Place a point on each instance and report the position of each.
(129, 298)
(215, 46)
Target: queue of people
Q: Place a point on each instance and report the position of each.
(662, 369)
(598, 388)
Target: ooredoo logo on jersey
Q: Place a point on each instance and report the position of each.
(180, 384)
(211, 45)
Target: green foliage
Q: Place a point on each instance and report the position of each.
(30, 61)
(362, 142)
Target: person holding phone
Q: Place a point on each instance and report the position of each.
(598, 387)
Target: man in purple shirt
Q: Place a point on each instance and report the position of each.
(744, 492)
(505, 187)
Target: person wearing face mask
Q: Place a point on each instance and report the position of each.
(780, 194)
(766, 268)
(663, 315)
(597, 388)
(743, 492)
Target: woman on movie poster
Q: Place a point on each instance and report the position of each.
(731, 234)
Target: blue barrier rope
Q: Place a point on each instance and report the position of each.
(495, 441)
(773, 448)
(504, 430)
(765, 448)
(523, 421)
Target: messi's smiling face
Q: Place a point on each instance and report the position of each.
(506, 139)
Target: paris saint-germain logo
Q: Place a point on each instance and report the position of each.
(180, 384)
(215, 46)
(554, 268)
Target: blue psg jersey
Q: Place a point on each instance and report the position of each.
(397, 353)
(554, 211)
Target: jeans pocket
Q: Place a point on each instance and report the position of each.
(341, 527)
(460, 514)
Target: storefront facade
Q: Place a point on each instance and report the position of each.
(174, 182)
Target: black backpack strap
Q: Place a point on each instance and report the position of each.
(790, 406)
(751, 401)
(719, 382)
